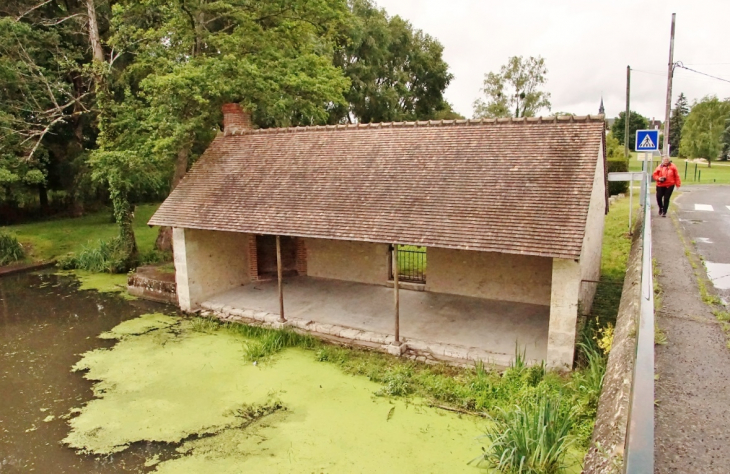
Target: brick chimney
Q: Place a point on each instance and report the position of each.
(235, 119)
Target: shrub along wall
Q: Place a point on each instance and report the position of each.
(617, 187)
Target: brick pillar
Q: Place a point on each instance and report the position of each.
(301, 256)
(253, 260)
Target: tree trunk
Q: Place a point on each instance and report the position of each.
(125, 219)
(164, 237)
(43, 198)
(94, 32)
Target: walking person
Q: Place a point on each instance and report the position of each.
(666, 176)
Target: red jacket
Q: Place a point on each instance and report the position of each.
(670, 173)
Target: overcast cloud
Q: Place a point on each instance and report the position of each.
(587, 45)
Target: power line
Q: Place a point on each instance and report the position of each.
(680, 65)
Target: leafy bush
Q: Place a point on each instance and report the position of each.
(617, 165)
(108, 256)
(10, 249)
(155, 256)
(587, 382)
(604, 338)
(529, 439)
(397, 381)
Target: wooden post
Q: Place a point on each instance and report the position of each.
(278, 271)
(668, 105)
(396, 293)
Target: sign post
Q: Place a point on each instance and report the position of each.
(646, 141)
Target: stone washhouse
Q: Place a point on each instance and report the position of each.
(457, 240)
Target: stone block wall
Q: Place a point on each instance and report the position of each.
(497, 276)
(361, 262)
(208, 263)
(590, 256)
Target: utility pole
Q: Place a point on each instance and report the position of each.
(628, 112)
(670, 73)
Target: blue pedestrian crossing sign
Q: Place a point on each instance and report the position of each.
(647, 140)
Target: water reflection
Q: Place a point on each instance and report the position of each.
(45, 324)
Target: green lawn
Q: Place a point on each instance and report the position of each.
(615, 254)
(53, 238)
(409, 263)
(718, 173)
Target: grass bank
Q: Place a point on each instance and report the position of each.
(615, 255)
(692, 173)
(51, 239)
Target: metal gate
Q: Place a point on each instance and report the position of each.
(411, 263)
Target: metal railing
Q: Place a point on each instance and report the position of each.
(411, 264)
(640, 431)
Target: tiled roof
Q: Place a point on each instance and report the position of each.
(518, 186)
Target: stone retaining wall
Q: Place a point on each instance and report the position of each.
(152, 284)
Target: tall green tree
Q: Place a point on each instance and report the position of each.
(703, 130)
(514, 91)
(636, 122)
(396, 72)
(46, 100)
(185, 58)
(726, 140)
(614, 150)
(676, 122)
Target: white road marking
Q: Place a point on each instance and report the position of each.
(703, 207)
(704, 240)
(728, 207)
(719, 274)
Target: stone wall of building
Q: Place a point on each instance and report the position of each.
(590, 256)
(497, 276)
(207, 263)
(362, 262)
(563, 314)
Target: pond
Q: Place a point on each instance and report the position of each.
(154, 393)
(46, 323)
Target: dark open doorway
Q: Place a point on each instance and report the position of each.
(266, 256)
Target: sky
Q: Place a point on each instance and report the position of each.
(586, 44)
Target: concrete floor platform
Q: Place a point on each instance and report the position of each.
(446, 327)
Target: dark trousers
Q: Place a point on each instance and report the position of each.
(663, 193)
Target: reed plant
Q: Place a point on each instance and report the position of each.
(106, 256)
(10, 249)
(531, 438)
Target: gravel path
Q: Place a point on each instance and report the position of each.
(692, 433)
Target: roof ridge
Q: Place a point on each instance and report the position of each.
(430, 123)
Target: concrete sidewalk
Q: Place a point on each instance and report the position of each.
(692, 432)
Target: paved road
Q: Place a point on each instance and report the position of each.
(704, 213)
(692, 433)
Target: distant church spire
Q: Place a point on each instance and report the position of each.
(601, 109)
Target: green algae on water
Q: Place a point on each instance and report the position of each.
(141, 325)
(173, 385)
(101, 282)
